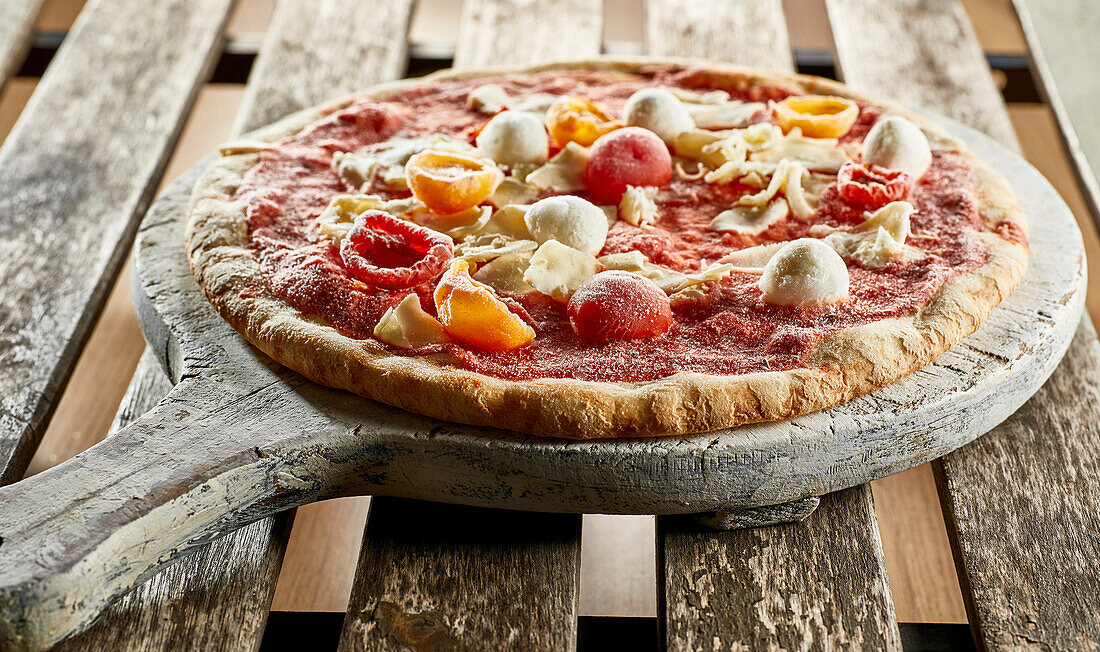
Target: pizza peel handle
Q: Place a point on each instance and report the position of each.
(77, 535)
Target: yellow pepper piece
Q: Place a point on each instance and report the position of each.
(472, 313)
(575, 119)
(818, 116)
(450, 183)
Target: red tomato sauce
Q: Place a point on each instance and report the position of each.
(732, 331)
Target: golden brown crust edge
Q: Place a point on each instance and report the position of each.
(845, 365)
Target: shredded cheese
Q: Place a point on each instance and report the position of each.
(562, 173)
(879, 239)
(750, 220)
(339, 216)
(481, 248)
(557, 270)
(637, 206)
(409, 326)
(505, 273)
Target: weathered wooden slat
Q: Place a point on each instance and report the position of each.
(922, 53)
(75, 174)
(16, 25)
(517, 32)
(822, 582)
(442, 577)
(1062, 38)
(317, 50)
(217, 598)
(815, 585)
(1021, 506)
(1020, 502)
(436, 576)
(752, 33)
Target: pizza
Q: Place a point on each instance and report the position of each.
(612, 248)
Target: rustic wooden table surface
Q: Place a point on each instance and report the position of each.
(617, 572)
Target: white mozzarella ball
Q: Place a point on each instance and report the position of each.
(897, 144)
(514, 137)
(805, 272)
(659, 111)
(570, 220)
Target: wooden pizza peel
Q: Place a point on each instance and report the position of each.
(240, 437)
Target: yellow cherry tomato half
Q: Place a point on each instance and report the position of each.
(575, 119)
(472, 313)
(451, 183)
(819, 116)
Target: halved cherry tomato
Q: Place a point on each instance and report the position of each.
(819, 116)
(872, 185)
(616, 305)
(575, 119)
(472, 313)
(388, 252)
(450, 183)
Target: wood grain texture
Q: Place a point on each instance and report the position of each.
(16, 25)
(748, 32)
(815, 585)
(1021, 505)
(216, 598)
(518, 32)
(232, 463)
(443, 577)
(1019, 502)
(1062, 37)
(922, 53)
(75, 174)
(314, 51)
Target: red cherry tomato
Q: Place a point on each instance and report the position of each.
(626, 157)
(388, 252)
(871, 185)
(616, 305)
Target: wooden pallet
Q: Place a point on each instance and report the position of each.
(1026, 551)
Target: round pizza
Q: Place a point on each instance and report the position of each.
(606, 248)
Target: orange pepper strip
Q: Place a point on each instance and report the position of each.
(575, 119)
(472, 313)
(450, 183)
(818, 116)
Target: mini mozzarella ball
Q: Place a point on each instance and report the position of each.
(659, 111)
(897, 144)
(805, 272)
(570, 220)
(513, 137)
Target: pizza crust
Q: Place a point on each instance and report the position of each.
(845, 365)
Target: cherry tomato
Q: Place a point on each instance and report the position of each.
(575, 119)
(631, 156)
(616, 305)
(388, 252)
(472, 313)
(818, 116)
(872, 185)
(451, 183)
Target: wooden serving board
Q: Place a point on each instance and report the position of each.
(240, 437)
